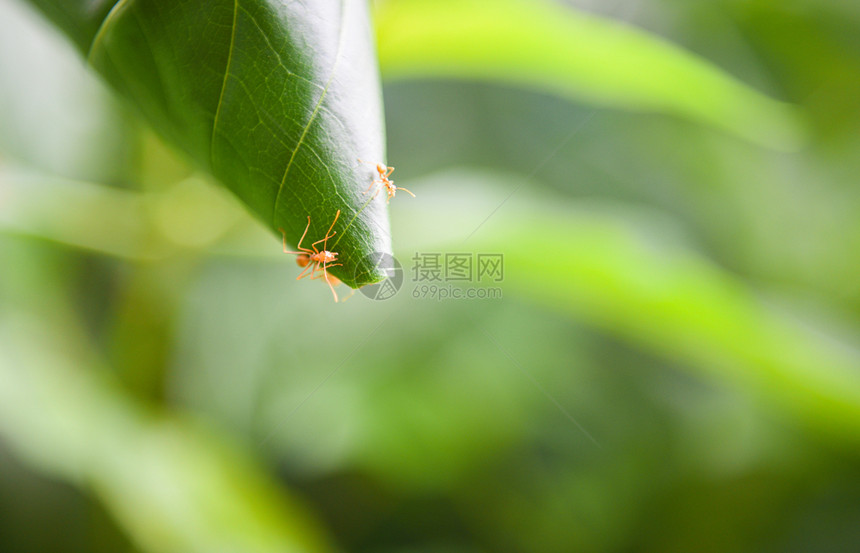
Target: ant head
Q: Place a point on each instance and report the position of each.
(303, 260)
(380, 168)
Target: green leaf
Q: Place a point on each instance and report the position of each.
(544, 45)
(47, 97)
(277, 100)
(171, 483)
(626, 271)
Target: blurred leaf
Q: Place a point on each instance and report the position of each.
(539, 44)
(80, 214)
(276, 100)
(79, 19)
(54, 114)
(624, 271)
(189, 215)
(171, 483)
(629, 273)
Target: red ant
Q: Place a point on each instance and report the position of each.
(384, 181)
(315, 258)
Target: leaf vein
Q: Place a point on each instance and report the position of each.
(275, 50)
(223, 84)
(337, 57)
(111, 15)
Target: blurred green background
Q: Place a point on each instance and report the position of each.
(674, 365)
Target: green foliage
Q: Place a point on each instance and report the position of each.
(549, 47)
(278, 101)
(171, 482)
(687, 298)
(623, 270)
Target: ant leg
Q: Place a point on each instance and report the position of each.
(327, 281)
(326, 275)
(304, 250)
(324, 239)
(299, 245)
(336, 215)
(329, 234)
(351, 293)
(304, 272)
(381, 183)
(407, 191)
